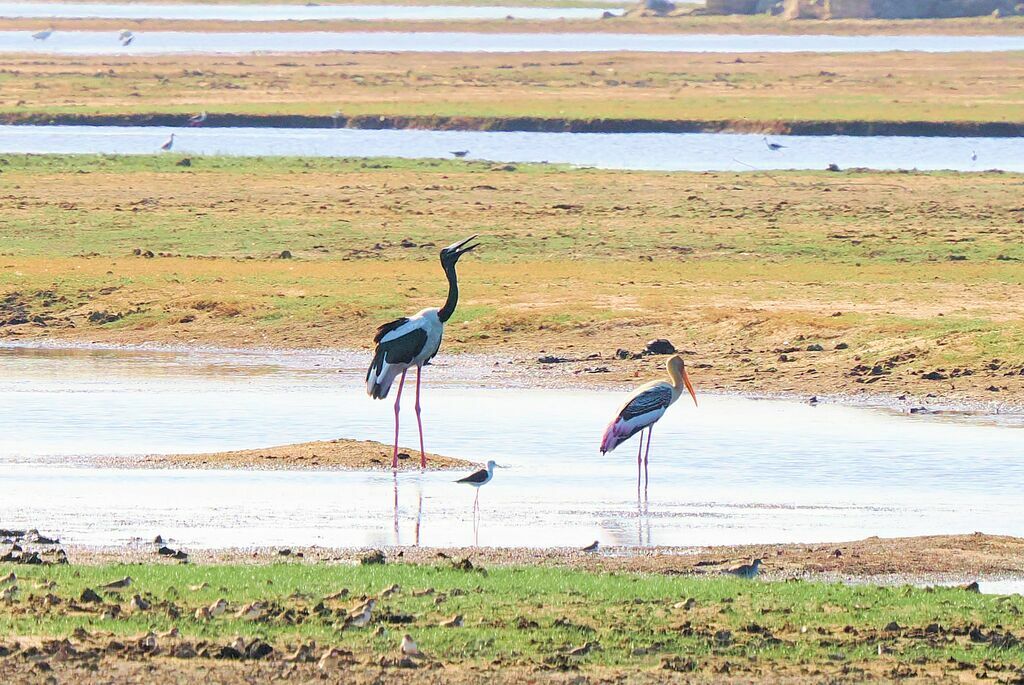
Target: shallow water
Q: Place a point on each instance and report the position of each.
(164, 42)
(734, 470)
(654, 151)
(218, 12)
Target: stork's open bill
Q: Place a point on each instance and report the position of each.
(413, 341)
(644, 408)
(480, 478)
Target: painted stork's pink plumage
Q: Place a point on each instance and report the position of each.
(413, 341)
(644, 407)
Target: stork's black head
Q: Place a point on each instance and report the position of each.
(450, 255)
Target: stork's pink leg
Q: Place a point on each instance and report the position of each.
(639, 452)
(398, 399)
(419, 422)
(647, 478)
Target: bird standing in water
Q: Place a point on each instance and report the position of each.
(479, 479)
(773, 146)
(169, 144)
(413, 341)
(644, 407)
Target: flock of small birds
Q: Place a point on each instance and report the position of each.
(124, 36)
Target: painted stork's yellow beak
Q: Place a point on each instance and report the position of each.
(689, 386)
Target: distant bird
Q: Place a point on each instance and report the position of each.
(197, 119)
(361, 615)
(454, 622)
(118, 584)
(125, 34)
(43, 35)
(336, 117)
(773, 146)
(974, 155)
(218, 607)
(409, 647)
(460, 153)
(747, 571)
(479, 479)
(127, 41)
(168, 144)
(592, 547)
(413, 341)
(583, 650)
(644, 407)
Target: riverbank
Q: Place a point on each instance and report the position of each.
(364, 455)
(686, 24)
(975, 129)
(475, 620)
(854, 284)
(939, 94)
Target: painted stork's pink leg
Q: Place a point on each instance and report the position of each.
(639, 452)
(647, 478)
(419, 422)
(398, 400)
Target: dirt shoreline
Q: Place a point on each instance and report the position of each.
(735, 24)
(937, 559)
(987, 129)
(343, 454)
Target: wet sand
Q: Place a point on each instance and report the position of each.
(322, 454)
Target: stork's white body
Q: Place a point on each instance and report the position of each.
(430, 323)
(661, 394)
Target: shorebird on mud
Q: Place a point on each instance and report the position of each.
(747, 571)
(412, 342)
(644, 408)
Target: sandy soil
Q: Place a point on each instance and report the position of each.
(330, 454)
(925, 559)
(856, 93)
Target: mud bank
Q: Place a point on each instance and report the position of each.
(982, 129)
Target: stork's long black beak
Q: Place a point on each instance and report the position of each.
(460, 248)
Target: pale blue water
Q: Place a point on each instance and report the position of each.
(260, 12)
(168, 42)
(734, 470)
(654, 151)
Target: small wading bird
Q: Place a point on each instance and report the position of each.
(479, 479)
(124, 34)
(197, 119)
(43, 35)
(413, 341)
(747, 571)
(168, 144)
(773, 146)
(644, 407)
(127, 41)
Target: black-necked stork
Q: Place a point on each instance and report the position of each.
(413, 341)
(166, 147)
(644, 407)
(478, 479)
(773, 146)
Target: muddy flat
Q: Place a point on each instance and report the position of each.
(321, 454)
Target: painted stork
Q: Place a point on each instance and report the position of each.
(773, 146)
(168, 144)
(478, 479)
(43, 35)
(197, 119)
(644, 407)
(413, 341)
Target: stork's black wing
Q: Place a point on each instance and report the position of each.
(649, 400)
(401, 349)
(386, 328)
(478, 477)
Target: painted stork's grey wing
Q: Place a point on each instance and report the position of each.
(386, 328)
(478, 477)
(658, 397)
